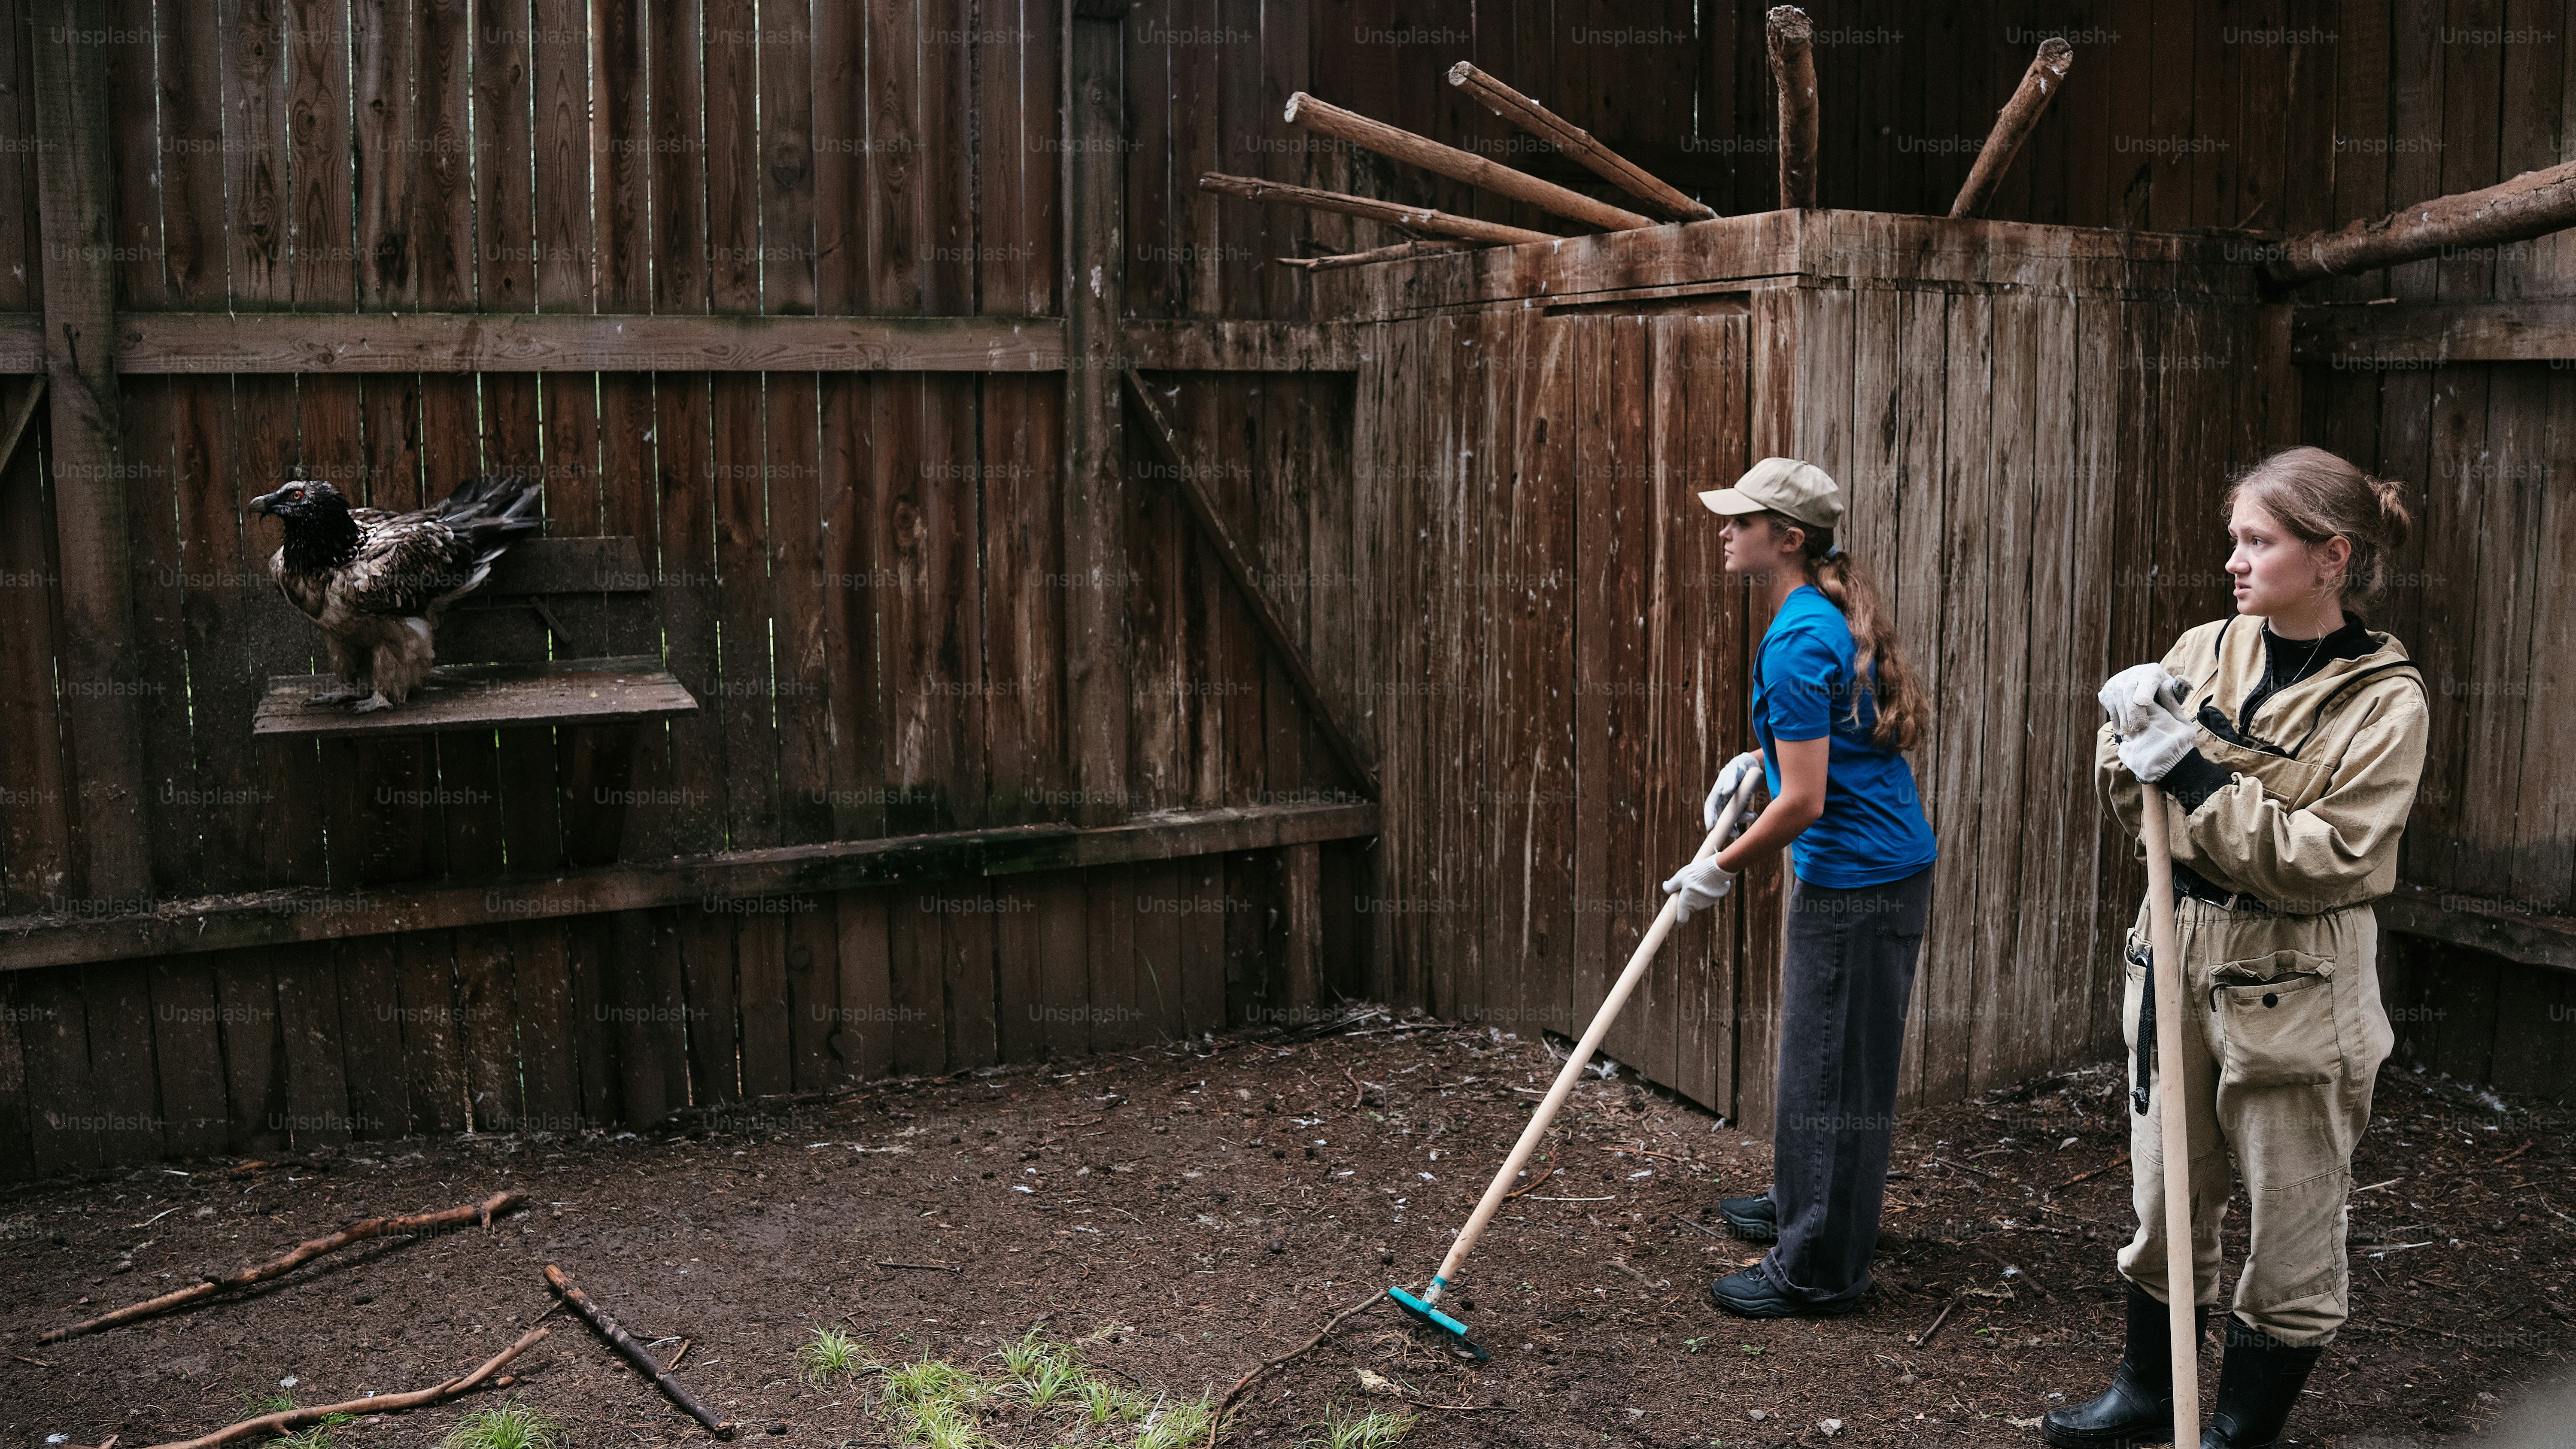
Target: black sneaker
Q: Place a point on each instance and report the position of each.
(1750, 1293)
(1753, 1218)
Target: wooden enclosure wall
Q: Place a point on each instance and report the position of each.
(862, 577)
(2276, 116)
(2034, 444)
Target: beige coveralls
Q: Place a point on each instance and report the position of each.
(2284, 1027)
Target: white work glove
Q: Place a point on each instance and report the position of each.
(1700, 884)
(2128, 696)
(1722, 794)
(2158, 744)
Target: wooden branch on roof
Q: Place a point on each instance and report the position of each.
(1399, 252)
(1411, 218)
(2013, 124)
(1575, 142)
(1793, 71)
(1325, 118)
(2532, 204)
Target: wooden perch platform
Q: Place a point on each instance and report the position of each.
(2532, 204)
(1575, 142)
(1327, 119)
(1411, 218)
(1793, 71)
(2039, 86)
(486, 696)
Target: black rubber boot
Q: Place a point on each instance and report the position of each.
(2258, 1380)
(2138, 1409)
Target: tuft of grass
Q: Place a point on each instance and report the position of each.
(1040, 1371)
(1372, 1430)
(928, 1381)
(1176, 1424)
(942, 1424)
(832, 1352)
(1103, 1401)
(513, 1425)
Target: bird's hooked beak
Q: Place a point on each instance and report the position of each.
(264, 503)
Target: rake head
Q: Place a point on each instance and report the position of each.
(1439, 1322)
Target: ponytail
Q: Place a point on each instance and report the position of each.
(1903, 713)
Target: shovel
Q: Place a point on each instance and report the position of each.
(1423, 1309)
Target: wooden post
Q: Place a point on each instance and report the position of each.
(1324, 118)
(1793, 71)
(1412, 218)
(1575, 142)
(2013, 124)
(2532, 204)
(1301, 917)
(1093, 285)
(74, 190)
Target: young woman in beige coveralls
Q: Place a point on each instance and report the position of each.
(2288, 739)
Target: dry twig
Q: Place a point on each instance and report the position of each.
(357, 1232)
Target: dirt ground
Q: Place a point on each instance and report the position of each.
(1188, 1212)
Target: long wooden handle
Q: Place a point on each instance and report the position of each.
(1575, 1060)
(2174, 1113)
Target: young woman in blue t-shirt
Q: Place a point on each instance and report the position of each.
(1834, 707)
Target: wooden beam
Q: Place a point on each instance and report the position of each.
(1401, 251)
(1576, 142)
(2532, 204)
(1793, 72)
(1094, 287)
(1327, 119)
(1205, 345)
(269, 919)
(2464, 920)
(2039, 86)
(19, 417)
(272, 342)
(75, 188)
(1238, 563)
(2405, 335)
(1411, 218)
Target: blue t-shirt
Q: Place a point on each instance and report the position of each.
(1873, 830)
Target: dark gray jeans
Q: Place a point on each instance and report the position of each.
(1848, 973)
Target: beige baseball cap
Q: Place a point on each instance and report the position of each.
(1786, 486)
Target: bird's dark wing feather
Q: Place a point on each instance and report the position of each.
(407, 564)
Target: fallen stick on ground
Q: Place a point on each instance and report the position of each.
(927, 1267)
(1216, 1422)
(357, 1232)
(1544, 1174)
(1642, 1152)
(286, 1419)
(1926, 1336)
(1358, 1092)
(636, 1353)
(2089, 1176)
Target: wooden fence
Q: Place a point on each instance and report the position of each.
(2034, 427)
(988, 760)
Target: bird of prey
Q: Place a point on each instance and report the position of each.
(376, 581)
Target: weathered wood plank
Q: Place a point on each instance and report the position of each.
(275, 917)
(480, 696)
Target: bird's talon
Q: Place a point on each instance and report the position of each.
(371, 704)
